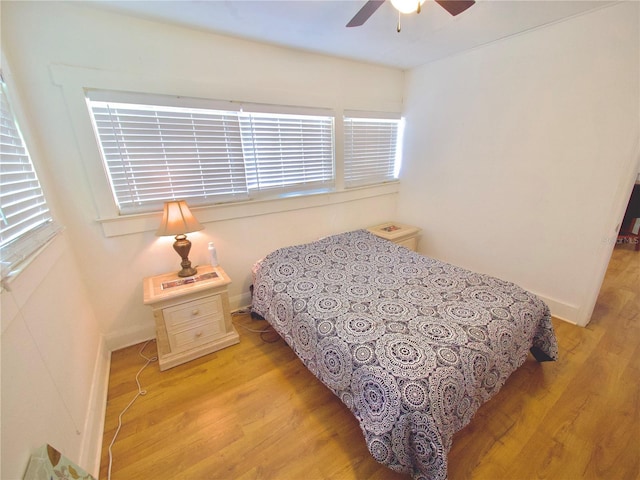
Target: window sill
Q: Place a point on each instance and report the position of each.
(145, 222)
(38, 262)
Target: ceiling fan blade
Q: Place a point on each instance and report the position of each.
(364, 13)
(454, 7)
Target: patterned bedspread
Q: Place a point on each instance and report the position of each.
(411, 345)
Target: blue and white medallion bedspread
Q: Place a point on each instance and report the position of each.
(411, 345)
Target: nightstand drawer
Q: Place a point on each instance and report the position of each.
(181, 316)
(203, 331)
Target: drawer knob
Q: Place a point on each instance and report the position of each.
(198, 335)
(195, 311)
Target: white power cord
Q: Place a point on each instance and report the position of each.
(141, 392)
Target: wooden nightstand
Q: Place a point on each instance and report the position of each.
(192, 314)
(404, 235)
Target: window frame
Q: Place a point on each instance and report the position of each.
(125, 171)
(388, 170)
(320, 120)
(20, 248)
(324, 181)
(74, 82)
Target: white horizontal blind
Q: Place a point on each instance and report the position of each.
(288, 152)
(371, 150)
(154, 153)
(25, 220)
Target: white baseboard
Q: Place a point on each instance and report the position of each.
(240, 302)
(91, 448)
(130, 336)
(563, 311)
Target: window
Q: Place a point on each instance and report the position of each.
(285, 151)
(372, 150)
(157, 148)
(154, 153)
(25, 220)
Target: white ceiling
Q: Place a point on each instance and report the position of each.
(319, 25)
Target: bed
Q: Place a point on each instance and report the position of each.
(411, 345)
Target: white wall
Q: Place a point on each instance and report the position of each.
(517, 157)
(68, 46)
(54, 356)
(54, 361)
(54, 364)
(520, 155)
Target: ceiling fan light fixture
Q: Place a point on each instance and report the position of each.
(407, 6)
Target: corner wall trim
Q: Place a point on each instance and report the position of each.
(91, 447)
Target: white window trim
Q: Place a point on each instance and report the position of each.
(356, 154)
(265, 117)
(22, 251)
(75, 81)
(147, 222)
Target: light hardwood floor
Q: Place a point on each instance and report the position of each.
(253, 411)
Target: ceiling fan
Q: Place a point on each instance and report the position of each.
(454, 7)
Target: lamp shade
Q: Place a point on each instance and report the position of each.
(177, 219)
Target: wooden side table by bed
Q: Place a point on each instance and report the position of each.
(405, 235)
(192, 314)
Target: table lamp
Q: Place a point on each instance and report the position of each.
(178, 220)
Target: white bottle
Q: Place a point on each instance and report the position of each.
(213, 255)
